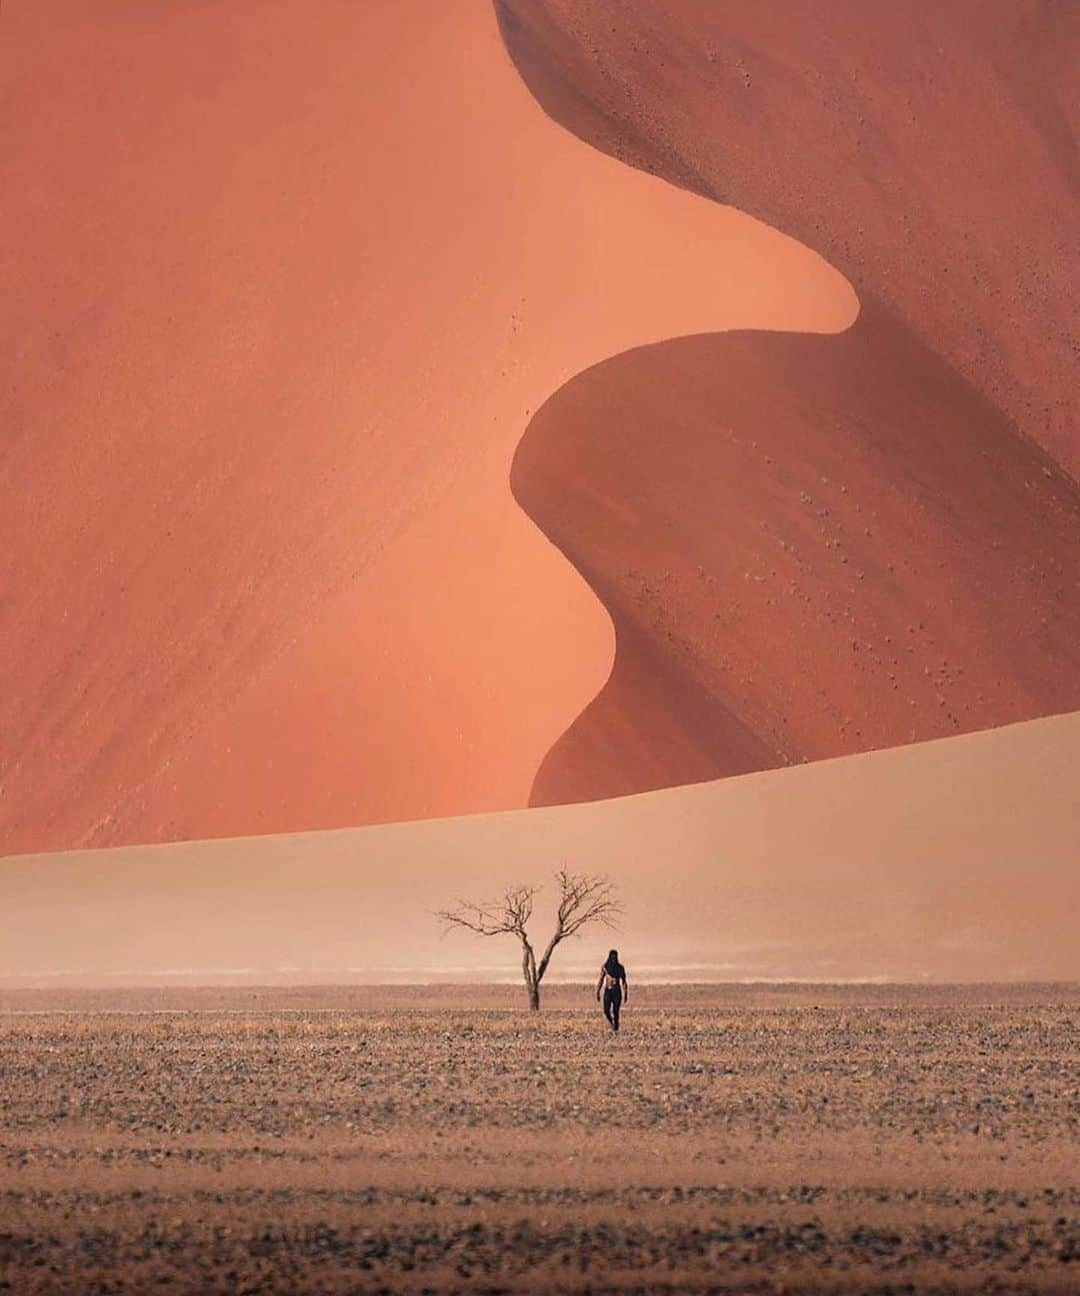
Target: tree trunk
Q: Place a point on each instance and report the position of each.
(532, 981)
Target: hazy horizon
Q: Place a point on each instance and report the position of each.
(745, 879)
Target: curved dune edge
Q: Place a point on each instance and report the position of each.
(809, 547)
(263, 571)
(931, 157)
(951, 860)
(825, 546)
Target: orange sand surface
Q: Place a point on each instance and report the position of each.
(927, 151)
(283, 285)
(814, 546)
(949, 860)
(809, 546)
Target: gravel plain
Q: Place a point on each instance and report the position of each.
(730, 1139)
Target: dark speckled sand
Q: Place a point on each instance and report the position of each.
(732, 1139)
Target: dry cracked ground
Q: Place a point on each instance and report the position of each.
(731, 1139)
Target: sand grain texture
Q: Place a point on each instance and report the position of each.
(817, 1140)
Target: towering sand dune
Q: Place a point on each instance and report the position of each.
(950, 860)
(809, 546)
(816, 546)
(928, 151)
(282, 285)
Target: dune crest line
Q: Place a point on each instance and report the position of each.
(816, 546)
(264, 570)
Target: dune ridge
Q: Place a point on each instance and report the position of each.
(809, 547)
(833, 545)
(273, 333)
(930, 155)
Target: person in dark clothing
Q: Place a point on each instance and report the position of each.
(612, 985)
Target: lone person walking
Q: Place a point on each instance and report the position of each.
(613, 985)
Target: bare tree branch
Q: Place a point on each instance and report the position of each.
(582, 899)
(508, 916)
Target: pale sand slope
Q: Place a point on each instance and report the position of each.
(282, 286)
(956, 859)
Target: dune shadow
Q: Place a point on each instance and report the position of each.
(809, 546)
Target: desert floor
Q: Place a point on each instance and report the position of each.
(730, 1139)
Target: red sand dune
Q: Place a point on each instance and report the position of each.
(282, 285)
(809, 546)
(928, 151)
(815, 546)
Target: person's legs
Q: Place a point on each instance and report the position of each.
(612, 1004)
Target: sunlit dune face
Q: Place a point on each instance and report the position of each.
(285, 287)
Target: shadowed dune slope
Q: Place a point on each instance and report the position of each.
(950, 860)
(809, 546)
(928, 151)
(282, 285)
(815, 546)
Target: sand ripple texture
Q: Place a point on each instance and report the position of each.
(730, 1140)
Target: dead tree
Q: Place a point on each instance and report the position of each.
(582, 900)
